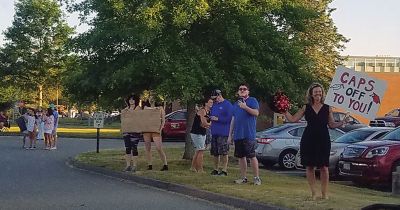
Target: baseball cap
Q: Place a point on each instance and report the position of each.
(216, 92)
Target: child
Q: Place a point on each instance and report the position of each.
(48, 128)
(31, 127)
(40, 124)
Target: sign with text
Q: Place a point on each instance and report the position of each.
(356, 92)
(98, 119)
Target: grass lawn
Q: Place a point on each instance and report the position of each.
(281, 190)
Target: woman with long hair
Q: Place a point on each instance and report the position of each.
(315, 143)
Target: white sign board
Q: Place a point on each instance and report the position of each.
(98, 119)
(356, 92)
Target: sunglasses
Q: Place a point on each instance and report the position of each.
(242, 89)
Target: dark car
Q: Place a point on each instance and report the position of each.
(391, 119)
(372, 161)
(175, 125)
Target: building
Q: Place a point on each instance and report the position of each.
(382, 67)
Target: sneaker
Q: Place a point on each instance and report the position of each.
(133, 169)
(47, 148)
(128, 168)
(214, 172)
(257, 180)
(150, 167)
(164, 168)
(53, 148)
(223, 173)
(241, 181)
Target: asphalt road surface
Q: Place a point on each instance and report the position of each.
(40, 179)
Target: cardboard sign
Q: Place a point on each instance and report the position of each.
(139, 121)
(356, 92)
(98, 119)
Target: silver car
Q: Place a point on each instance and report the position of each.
(354, 136)
(280, 144)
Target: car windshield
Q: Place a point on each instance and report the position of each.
(393, 136)
(276, 129)
(354, 136)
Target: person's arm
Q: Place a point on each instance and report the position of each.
(231, 130)
(252, 111)
(296, 117)
(202, 113)
(162, 118)
(331, 120)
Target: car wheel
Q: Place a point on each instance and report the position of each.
(287, 159)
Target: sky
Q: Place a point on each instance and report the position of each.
(373, 26)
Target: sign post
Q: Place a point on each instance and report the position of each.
(356, 92)
(98, 122)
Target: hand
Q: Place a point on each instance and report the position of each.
(242, 105)
(229, 140)
(213, 118)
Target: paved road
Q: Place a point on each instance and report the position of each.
(40, 179)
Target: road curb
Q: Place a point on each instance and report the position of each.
(177, 188)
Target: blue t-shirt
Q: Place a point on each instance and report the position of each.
(223, 111)
(245, 123)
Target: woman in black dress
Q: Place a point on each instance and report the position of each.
(315, 143)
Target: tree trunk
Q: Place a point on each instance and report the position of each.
(40, 95)
(189, 151)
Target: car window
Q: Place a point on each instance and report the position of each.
(379, 135)
(337, 116)
(178, 116)
(393, 135)
(297, 131)
(394, 113)
(334, 134)
(276, 129)
(354, 136)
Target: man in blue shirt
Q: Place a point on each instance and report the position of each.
(220, 116)
(54, 132)
(243, 129)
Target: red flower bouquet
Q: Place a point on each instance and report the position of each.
(280, 103)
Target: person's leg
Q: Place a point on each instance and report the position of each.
(225, 163)
(216, 162)
(243, 166)
(31, 139)
(194, 161)
(223, 149)
(55, 138)
(214, 153)
(158, 142)
(324, 172)
(310, 173)
(200, 161)
(23, 139)
(147, 145)
(254, 166)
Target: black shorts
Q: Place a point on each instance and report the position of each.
(245, 148)
(219, 145)
(132, 139)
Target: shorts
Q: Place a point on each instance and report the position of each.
(131, 141)
(219, 145)
(199, 141)
(151, 135)
(48, 131)
(245, 148)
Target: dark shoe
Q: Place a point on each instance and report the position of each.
(164, 168)
(214, 172)
(223, 173)
(150, 167)
(128, 168)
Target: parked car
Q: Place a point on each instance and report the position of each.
(372, 161)
(175, 124)
(280, 144)
(338, 145)
(114, 113)
(352, 123)
(391, 119)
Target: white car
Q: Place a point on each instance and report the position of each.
(114, 113)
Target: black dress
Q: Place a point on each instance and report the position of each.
(315, 143)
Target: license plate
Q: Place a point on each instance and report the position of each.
(346, 166)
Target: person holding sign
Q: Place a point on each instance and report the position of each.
(155, 136)
(315, 143)
(131, 139)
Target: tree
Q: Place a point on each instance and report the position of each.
(34, 55)
(182, 48)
